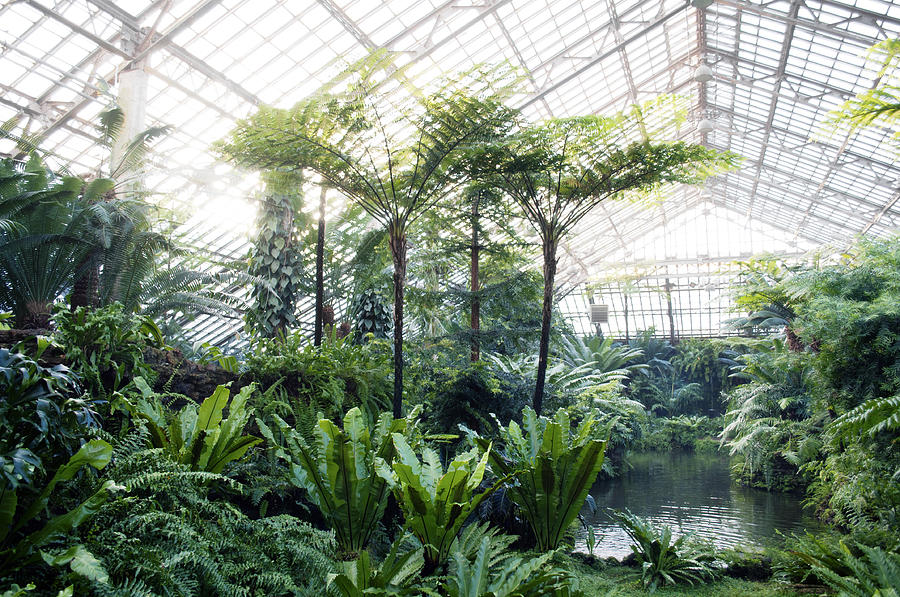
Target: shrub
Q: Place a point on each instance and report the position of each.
(485, 565)
(43, 417)
(335, 376)
(26, 527)
(469, 396)
(171, 535)
(197, 436)
(435, 502)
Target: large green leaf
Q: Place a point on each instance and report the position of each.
(553, 468)
(345, 471)
(96, 453)
(81, 561)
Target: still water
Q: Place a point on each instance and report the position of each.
(691, 493)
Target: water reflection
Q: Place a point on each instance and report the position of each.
(691, 493)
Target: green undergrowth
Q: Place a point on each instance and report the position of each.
(602, 580)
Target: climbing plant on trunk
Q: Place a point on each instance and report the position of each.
(558, 171)
(274, 258)
(389, 155)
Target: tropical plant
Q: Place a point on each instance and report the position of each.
(334, 377)
(468, 394)
(551, 469)
(394, 167)
(44, 416)
(861, 572)
(40, 246)
(274, 258)
(878, 106)
(602, 355)
(768, 428)
(559, 171)
(171, 535)
(371, 316)
(26, 528)
(198, 437)
(489, 568)
(662, 560)
(435, 502)
(105, 345)
(393, 576)
(342, 471)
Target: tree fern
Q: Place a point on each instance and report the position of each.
(870, 418)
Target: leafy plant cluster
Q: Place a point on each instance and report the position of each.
(819, 408)
(105, 346)
(332, 378)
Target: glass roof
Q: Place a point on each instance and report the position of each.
(779, 67)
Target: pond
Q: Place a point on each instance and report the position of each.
(691, 493)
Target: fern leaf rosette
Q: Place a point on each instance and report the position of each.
(435, 503)
(341, 472)
(551, 468)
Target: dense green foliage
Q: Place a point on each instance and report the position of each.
(112, 487)
(820, 408)
(275, 259)
(341, 471)
(552, 467)
(434, 501)
(665, 561)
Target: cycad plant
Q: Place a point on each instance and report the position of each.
(40, 247)
(344, 471)
(551, 469)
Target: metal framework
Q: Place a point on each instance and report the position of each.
(779, 67)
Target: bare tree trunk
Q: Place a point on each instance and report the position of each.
(671, 316)
(320, 271)
(398, 253)
(546, 316)
(475, 319)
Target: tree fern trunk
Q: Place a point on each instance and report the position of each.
(546, 317)
(320, 271)
(475, 319)
(398, 254)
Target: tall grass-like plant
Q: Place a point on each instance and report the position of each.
(551, 468)
(664, 561)
(436, 503)
(343, 471)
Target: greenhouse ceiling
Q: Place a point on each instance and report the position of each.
(777, 69)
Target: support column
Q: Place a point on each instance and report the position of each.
(132, 100)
